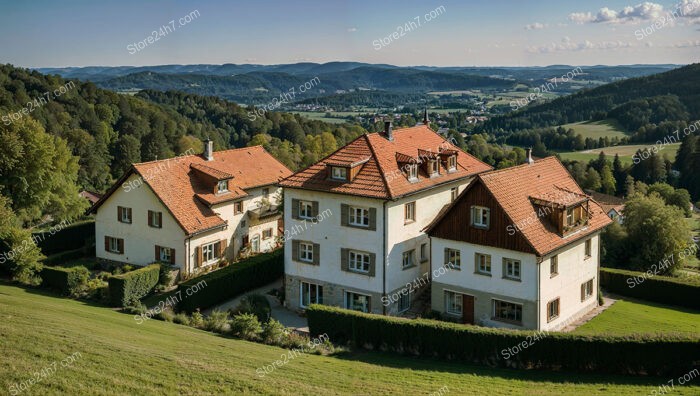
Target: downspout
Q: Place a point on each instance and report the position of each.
(386, 256)
(539, 261)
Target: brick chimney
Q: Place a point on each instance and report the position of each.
(388, 132)
(426, 121)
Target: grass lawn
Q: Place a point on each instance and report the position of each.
(627, 317)
(119, 356)
(596, 129)
(626, 152)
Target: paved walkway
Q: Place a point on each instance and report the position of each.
(283, 315)
(609, 300)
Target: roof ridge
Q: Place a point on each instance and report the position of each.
(510, 168)
(379, 166)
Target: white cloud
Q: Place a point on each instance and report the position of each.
(352, 29)
(536, 26)
(690, 10)
(628, 15)
(568, 45)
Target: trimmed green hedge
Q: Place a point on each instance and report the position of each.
(63, 279)
(656, 288)
(232, 281)
(72, 237)
(60, 258)
(127, 288)
(653, 355)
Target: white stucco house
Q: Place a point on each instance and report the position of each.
(523, 249)
(192, 211)
(355, 220)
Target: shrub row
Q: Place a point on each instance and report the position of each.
(62, 257)
(653, 355)
(232, 281)
(65, 280)
(128, 288)
(650, 287)
(72, 237)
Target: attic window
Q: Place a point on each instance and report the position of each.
(452, 163)
(339, 173)
(222, 186)
(570, 216)
(434, 168)
(412, 172)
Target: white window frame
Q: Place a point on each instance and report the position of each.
(124, 215)
(222, 186)
(452, 162)
(507, 320)
(317, 295)
(357, 261)
(209, 252)
(481, 212)
(409, 212)
(113, 245)
(434, 167)
(404, 303)
(570, 217)
(339, 173)
(452, 301)
(356, 213)
(155, 219)
(349, 299)
(550, 316)
(509, 268)
(235, 207)
(554, 263)
(587, 293)
(408, 258)
(306, 210)
(413, 172)
(478, 264)
(454, 258)
(165, 254)
(306, 252)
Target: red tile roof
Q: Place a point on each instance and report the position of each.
(514, 187)
(381, 175)
(188, 198)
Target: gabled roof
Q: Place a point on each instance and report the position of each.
(608, 202)
(513, 190)
(381, 175)
(177, 185)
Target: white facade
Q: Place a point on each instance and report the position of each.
(140, 239)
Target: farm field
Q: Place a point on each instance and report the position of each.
(625, 152)
(627, 317)
(595, 129)
(112, 354)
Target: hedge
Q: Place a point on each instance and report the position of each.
(60, 258)
(127, 288)
(73, 237)
(652, 355)
(229, 282)
(62, 279)
(656, 288)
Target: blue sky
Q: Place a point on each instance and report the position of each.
(462, 33)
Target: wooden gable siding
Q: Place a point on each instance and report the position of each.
(456, 225)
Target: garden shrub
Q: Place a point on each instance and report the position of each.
(255, 304)
(217, 322)
(274, 333)
(165, 315)
(60, 258)
(233, 280)
(246, 326)
(182, 319)
(635, 354)
(661, 289)
(66, 280)
(197, 320)
(127, 288)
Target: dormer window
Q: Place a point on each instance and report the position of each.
(339, 173)
(452, 163)
(570, 217)
(222, 186)
(434, 168)
(413, 172)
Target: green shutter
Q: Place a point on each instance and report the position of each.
(295, 209)
(344, 213)
(317, 254)
(372, 219)
(372, 264)
(295, 250)
(344, 264)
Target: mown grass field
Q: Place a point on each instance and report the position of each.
(118, 356)
(627, 317)
(625, 152)
(596, 129)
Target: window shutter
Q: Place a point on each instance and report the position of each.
(344, 213)
(119, 213)
(295, 208)
(217, 249)
(128, 211)
(372, 264)
(198, 256)
(157, 253)
(314, 208)
(344, 259)
(224, 244)
(447, 256)
(172, 256)
(372, 219)
(120, 243)
(150, 218)
(106, 243)
(160, 219)
(295, 250)
(583, 291)
(472, 219)
(317, 254)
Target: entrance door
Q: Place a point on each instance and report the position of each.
(467, 309)
(256, 244)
